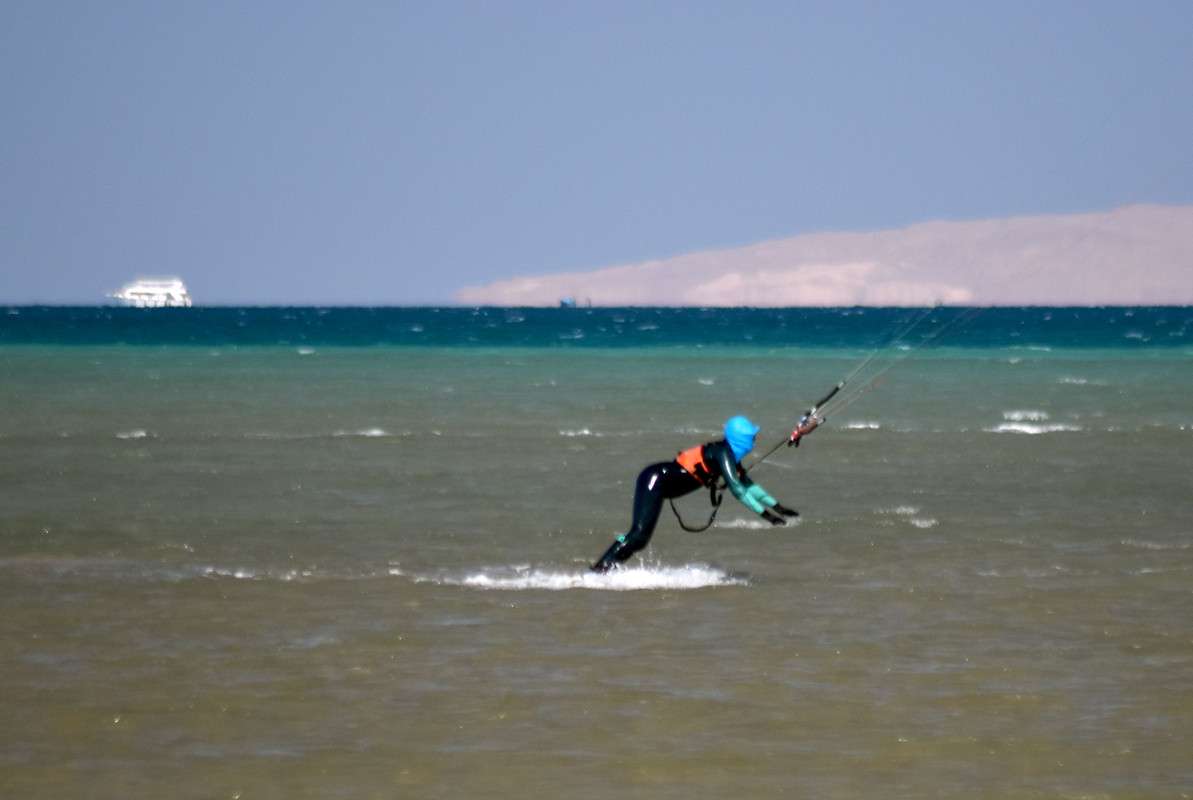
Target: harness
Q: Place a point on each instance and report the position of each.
(699, 467)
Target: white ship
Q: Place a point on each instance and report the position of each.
(154, 293)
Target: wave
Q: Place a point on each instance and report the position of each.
(1145, 545)
(1027, 415)
(1030, 421)
(754, 523)
(626, 579)
(140, 570)
(366, 433)
(911, 514)
(1031, 428)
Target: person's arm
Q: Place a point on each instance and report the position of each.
(748, 493)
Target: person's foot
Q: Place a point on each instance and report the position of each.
(610, 560)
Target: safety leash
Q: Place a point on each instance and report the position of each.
(715, 495)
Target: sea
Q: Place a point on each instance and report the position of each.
(289, 553)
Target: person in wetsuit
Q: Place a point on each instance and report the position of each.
(701, 466)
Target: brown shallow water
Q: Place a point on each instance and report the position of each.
(361, 574)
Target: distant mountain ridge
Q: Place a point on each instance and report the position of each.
(1133, 255)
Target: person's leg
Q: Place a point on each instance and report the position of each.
(655, 484)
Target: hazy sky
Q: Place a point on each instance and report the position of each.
(392, 152)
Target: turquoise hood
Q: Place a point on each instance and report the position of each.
(740, 433)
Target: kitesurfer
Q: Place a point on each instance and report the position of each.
(703, 465)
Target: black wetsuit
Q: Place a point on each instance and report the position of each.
(662, 481)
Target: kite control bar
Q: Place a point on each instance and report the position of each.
(812, 419)
(811, 422)
(817, 415)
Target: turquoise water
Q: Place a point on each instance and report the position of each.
(260, 564)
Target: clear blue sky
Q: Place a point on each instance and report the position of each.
(391, 152)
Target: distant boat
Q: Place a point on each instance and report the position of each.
(154, 293)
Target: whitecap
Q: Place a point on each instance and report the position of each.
(1155, 545)
(753, 523)
(239, 573)
(252, 574)
(626, 579)
(135, 434)
(1025, 416)
(1030, 429)
(705, 381)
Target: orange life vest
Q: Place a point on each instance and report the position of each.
(692, 460)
